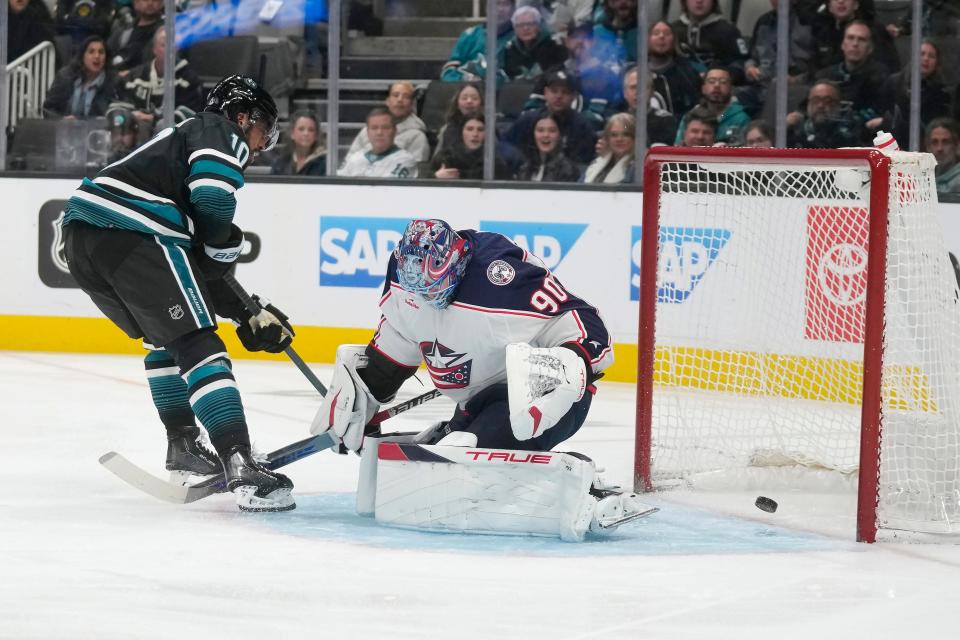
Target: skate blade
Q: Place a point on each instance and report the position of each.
(649, 511)
(278, 500)
(187, 478)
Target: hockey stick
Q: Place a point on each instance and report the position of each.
(177, 494)
(253, 308)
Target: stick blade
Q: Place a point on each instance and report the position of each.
(136, 477)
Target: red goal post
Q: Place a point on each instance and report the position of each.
(751, 363)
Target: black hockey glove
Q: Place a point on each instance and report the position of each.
(267, 331)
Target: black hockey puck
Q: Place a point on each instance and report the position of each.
(766, 504)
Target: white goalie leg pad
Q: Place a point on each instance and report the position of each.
(479, 490)
(348, 405)
(367, 482)
(542, 385)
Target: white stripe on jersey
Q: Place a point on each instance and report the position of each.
(131, 190)
(212, 182)
(130, 213)
(216, 154)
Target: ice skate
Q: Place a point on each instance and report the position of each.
(256, 488)
(188, 456)
(615, 507)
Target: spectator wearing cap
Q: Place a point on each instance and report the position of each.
(829, 31)
(707, 38)
(942, 138)
(124, 133)
(616, 32)
(701, 129)
(411, 132)
(467, 61)
(28, 24)
(718, 100)
(859, 77)
(143, 86)
(674, 77)
(578, 137)
(85, 87)
(305, 153)
(80, 19)
(130, 44)
(827, 123)
(532, 50)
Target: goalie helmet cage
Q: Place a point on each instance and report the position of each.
(798, 308)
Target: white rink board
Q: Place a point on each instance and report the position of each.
(324, 247)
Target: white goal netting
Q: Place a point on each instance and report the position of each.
(760, 323)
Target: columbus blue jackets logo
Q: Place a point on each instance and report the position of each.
(500, 273)
(447, 368)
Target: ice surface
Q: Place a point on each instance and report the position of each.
(84, 556)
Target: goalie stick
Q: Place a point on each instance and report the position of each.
(169, 492)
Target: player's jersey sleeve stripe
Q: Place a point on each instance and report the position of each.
(212, 182)
(206, 168)
(214, 153)
(511, 312)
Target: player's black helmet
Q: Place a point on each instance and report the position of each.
(240, 94)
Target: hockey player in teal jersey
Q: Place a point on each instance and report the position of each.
(149, 239)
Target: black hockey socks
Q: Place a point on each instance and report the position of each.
(169, 392)
(210, 388)
(216, 402)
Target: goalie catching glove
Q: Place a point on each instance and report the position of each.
(542, 385)
(349, 405)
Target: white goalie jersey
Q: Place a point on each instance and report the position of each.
(506, 296)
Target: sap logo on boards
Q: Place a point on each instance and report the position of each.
(685, 254)
(549, 241)
(354, 252)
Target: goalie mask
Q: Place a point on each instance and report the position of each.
(431, 260)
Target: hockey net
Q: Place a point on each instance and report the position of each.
(798, 309)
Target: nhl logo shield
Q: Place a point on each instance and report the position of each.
(176, 312)
(500, 273)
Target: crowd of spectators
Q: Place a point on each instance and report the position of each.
(710, 85)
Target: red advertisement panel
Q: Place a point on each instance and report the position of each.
(836, 273)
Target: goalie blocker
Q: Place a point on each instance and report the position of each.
(491, 491)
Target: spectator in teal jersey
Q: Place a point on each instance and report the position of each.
(718, 100)
(468, 59)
